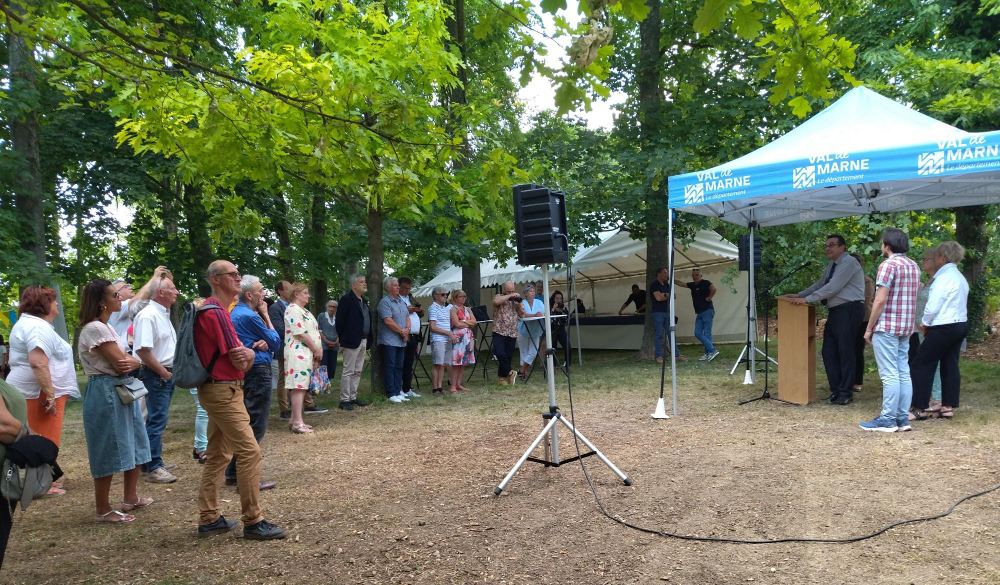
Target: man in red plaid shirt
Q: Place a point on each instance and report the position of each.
(889, 331)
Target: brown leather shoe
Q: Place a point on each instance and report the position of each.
(503, 382)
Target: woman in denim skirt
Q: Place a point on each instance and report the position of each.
(116, 433)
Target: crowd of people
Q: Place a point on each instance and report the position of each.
(916, 329)
(250, 345)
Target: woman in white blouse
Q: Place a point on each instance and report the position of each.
(945, 325)
(41, 365)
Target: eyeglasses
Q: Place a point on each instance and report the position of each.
(234, 274)
(117, 295)
(122, 287)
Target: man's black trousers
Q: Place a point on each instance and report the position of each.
(839, 340)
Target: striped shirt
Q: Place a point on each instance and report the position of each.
(213, 331)
(440, 315)
(901, 276)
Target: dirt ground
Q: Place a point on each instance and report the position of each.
(404, 494)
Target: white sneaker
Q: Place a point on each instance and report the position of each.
(703, 357)
(713, 355)
(160, 475)
(397, 399)
(411, 394)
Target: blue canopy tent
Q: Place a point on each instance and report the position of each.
(863, 154)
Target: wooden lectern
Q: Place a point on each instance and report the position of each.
(796, 352)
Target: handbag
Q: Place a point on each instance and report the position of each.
(24, 484)
(319, 381)
(130, 390)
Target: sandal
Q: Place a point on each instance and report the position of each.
(946, 414)
(918, 415)
(141, 503)
(55, 491)
(453, 390)
(301, 429)
(114, 517)
(463, 388)
(201, 456)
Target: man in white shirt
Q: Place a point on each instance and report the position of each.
(154, 343)
(120, 320)
(414, 312)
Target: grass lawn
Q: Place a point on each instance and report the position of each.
(404, 493)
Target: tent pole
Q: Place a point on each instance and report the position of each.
(576, 318)
(752, 351)
(671, 324)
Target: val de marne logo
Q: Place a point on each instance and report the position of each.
(803, 177)
(694, 193)
(930, 163)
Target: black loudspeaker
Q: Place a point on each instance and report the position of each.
(744, 247)
(540, 224)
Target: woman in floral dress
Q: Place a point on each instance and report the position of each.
(463, 352)
(302, 353)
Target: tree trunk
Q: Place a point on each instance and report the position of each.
(657, 255)
(970, 231)
(286, 269)
(648, 79)
(376, 271)
(25, 137)
(458, 98)
(198, 239)
(471, 281)
(319, 289)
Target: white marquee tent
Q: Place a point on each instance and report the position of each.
(605, 273)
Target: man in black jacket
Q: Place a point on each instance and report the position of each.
(354, 327)
(277, 314)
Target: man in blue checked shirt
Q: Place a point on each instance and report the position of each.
(253, 327)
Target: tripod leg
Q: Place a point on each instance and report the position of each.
(597, 452)
(520, 462)
(739, 360)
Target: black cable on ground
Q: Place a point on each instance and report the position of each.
(663, 533)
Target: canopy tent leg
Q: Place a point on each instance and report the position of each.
(576, 317)
(660, 411)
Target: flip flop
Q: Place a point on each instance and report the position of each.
(142, 503)
(301, 429)
(55, 491)
(114, 517)
(463, 388)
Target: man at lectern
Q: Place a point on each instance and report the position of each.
(841, 290)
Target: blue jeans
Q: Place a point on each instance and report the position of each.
(200, 424)
(158, 405)
(257, 399)
(703, 329)
(660, 320)
(894, 370)
(392, 360)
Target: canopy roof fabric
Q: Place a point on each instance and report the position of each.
(863, 154)
(617, 256)
(490, 274)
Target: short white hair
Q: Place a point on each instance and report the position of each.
(248, 283)
(388, 280)
(332, 302)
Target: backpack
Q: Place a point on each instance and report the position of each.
(188, 371)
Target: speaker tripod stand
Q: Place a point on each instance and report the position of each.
(554, 418)
(767, 338)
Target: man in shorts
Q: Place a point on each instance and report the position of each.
(439, 321)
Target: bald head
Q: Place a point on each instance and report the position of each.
(224, 278)
(508, 287)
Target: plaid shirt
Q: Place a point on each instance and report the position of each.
(901, 275)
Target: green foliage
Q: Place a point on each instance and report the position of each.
(800, 52)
